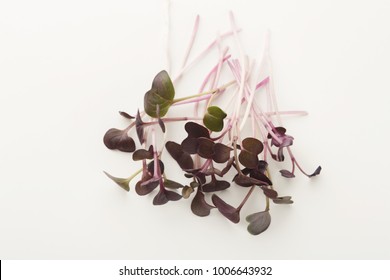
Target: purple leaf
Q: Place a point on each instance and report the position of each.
(139, 126)
(215, 185)
(269, 192)
(261, 177)
(258, 222)
(126, 115)
(143, 154)
(118, 139)
(248, 159)
(190, 145)
(316, 172)
(151, 167)
(161, 124)
(286, 173)
(245, 181)
(221, 153)
(227, 210)
(205, 147)
(195, 130)
(199, 206)
(252, 145)
(164, 196)
(141, 189)
(182, 158)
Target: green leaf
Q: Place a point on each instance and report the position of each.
(122, 182)
(160, 97)
(214, 117)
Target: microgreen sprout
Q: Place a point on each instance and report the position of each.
(215, 144)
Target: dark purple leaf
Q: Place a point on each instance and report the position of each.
(122, 182)
(252, 145)
(126, 115)
(199, 206)
(283, 200)
(151, 167)
(190, 145)
(164, 196)
(139, 126)
(258, 222)
(269, 192)
(261, 177)
(195, 130)
(143, 154)
(141, 189)
(316, 172)
(205, 147)
(118, 139)
(227, 210)
(215, 185)
(182, 158)
(227, 167)
(245, 181)
(279, 131)
(262, 166)
(172, 184)
(286, 173)
(248, 159)
(161, 124)
(221, 153)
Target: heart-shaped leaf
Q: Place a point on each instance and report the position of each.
(227, 210)
(205, 148)
(252, 145)
(143, 154)
(183, 158)
(151, 167)
(164, 196)
(160, 97)
(221, 153)
(258, 222)
(248, 159)
(199, 206)
(144, 189)
(116, 139)
(122, 182)
(196, 130)
(213, 119)
(215, 185)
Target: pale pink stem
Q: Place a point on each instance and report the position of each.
(192, 40)
(202, 54)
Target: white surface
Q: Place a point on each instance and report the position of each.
(67, 67)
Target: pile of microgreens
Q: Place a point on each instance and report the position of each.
(214, 145)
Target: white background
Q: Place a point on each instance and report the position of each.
(67, 67)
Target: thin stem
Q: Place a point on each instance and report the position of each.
(236, 156)
(192, 40)
(246, 198)
(134, 175)
(212, 91)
